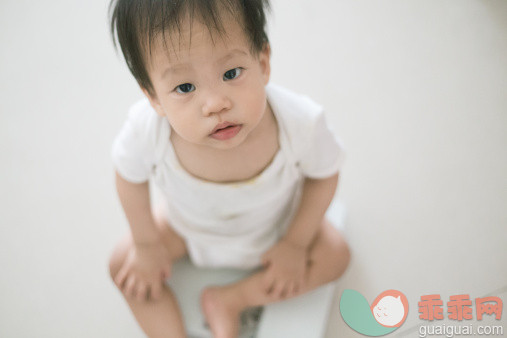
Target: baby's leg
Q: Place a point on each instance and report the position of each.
(329, 257)
(161, 318)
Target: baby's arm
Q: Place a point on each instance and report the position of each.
(135, 200)
(317, 195)
(149, 262)
(287, 260)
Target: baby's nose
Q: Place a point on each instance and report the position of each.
(215, 103)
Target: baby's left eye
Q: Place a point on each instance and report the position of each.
(232, 73)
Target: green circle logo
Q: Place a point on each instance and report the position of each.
(387, 312)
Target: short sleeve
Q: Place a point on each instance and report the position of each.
(132, 151)
(324, 153)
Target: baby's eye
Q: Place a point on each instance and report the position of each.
(232, 73)
(185, 88)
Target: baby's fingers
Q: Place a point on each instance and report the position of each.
(278, 290)
(130, 285)
(141, 291)
(156, 290)
(120, 277)
(292, 289)
(267, 281)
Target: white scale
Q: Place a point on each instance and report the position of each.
(304, 316)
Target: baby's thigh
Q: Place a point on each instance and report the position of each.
(330, 247)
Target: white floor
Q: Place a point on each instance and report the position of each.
(416, 89)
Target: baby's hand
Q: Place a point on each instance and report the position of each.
(286, 269)
(144, 271)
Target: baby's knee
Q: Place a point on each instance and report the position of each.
(335, 251)
(114, 266)
(118, 256)
(342, 255)
(345, 253)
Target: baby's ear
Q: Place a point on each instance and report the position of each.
(154, 101)
(264, 59)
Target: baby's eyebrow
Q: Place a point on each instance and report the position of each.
(176, 69)
(179, 68)
(231, 54)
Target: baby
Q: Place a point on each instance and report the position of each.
(247, 169)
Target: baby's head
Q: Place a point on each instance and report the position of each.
(198, 56)
(140, 23)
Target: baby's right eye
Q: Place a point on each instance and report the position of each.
(185, 88)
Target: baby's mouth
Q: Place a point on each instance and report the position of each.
(228, 127)
(225, 131)
(223, 126)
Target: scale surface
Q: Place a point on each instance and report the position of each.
(304, 316)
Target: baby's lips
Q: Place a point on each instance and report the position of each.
(222, 126)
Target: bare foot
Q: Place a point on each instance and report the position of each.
(221, 309)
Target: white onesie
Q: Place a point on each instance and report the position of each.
(231, 224)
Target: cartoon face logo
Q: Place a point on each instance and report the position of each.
(390, 308)
(386, 314)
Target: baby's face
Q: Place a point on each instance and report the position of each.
(202, 85)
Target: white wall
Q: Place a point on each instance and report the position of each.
(417, 90)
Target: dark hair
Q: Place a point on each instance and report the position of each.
(137, 22)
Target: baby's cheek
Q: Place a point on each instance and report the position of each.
(257, 103)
